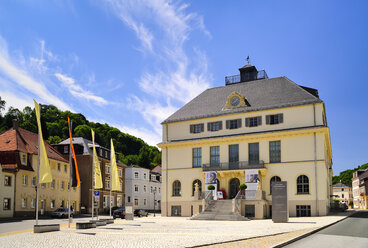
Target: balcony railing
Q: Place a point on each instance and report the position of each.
(236, 78)
(241, 165)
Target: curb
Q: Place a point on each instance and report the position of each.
(308, 234)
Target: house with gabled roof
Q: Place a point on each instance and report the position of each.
(19, 161)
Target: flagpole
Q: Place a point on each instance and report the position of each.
(110, 176)
(38, 177)
(93, 181)
(70, 174)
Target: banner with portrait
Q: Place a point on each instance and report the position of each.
(251, 179)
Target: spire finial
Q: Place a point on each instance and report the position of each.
(248, 59)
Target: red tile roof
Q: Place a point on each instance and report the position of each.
(157, 168)
(26, 141)
(9, 166)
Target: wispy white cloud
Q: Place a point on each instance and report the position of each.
(77, 91)
(182, 73)
(15, 101)
(150, 137)
(22, 78)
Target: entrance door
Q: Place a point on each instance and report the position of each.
(234, 187)
(42, 207)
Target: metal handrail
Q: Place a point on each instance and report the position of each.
(234, 165)
(236, 78)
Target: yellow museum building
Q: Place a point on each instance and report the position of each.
(254, 130)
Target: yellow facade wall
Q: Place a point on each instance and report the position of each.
(46, 193)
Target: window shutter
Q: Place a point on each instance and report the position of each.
(281, 118)
(239, 122)
(220, 125)
(227, 124)
(247, 122)
(202, 127)
(259, 120)
(191, 128)
(267, 119)
(208, 126)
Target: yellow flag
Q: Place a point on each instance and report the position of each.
(114, 170)
(45, 171)
(98, 178)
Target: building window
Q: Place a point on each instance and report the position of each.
(303, 210)
(43, 185)
(24, 180)
(6, 204)
(107, 169)
(214, 155)
(24, 202)
(128, 198)
(253, 121)
(52, 204)
(342, 195)
(144, 202)
(253, 153)
(159, 190)
(58, 166)
(144, 176)
(151, 189)
(7, 180)
(233, 124)
(24, 160)
(33, 203)
(62, 184)
(62, 203)
(342, 189)
(135, 202)
(176, 188)
(120, 172)
(197, 128)
(302, 184)
(65, 168)
(175, 210)
(274, 179)
(53, 184)
(233, 156)
(274, 119)
(193, 186)
(275, 152)
(144, 188)
(136, 175)
(107, 184)
(197, 157)
(66, 149)
(33, 181)
(214, 126)
(136, 188)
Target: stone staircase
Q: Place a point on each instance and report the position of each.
(219, 210)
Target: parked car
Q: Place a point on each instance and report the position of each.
(119, 213)
(140, 212)
(62, 213)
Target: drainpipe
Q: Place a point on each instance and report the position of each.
(15, 187)
(315, 159)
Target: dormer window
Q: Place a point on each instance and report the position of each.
(233, 124)
(214, 126)
(274, 119)
(197, 128)
(253, 121)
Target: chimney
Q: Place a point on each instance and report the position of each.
(15, 124)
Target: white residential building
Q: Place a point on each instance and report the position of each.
(142, 187)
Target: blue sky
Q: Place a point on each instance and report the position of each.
(132, 63)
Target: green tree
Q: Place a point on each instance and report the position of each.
(54, 140)
(2, 105)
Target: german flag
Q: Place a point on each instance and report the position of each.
(74, 172)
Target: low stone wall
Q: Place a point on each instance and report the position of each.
(85, 225)
(46, 228)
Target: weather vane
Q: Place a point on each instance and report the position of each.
(248, 59)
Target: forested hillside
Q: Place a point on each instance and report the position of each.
(132, 150)
(346, 175)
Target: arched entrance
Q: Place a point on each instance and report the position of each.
(233, 187)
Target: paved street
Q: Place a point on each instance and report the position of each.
(351, 232)
(156, 232)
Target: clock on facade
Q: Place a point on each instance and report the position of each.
(234, 101)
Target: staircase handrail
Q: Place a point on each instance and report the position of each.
(237, 201)
(207, 199)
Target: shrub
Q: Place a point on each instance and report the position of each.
(351, 204)
(211, 187)
(336, 200)
(243, 186)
